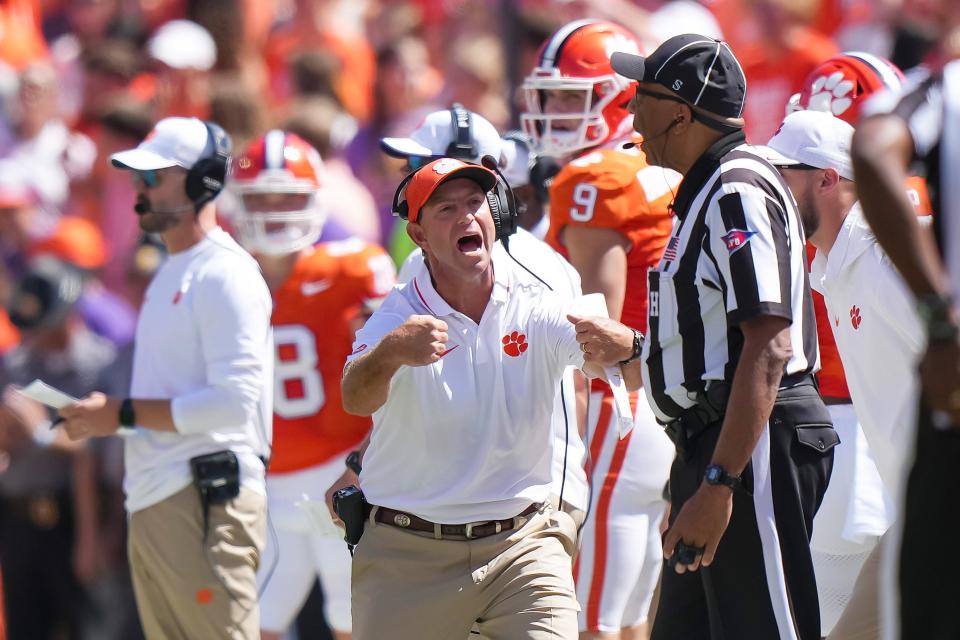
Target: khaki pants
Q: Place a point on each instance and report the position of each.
(178, 594)
(578, 515)
(515, 585)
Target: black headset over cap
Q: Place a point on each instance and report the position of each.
(208, 175)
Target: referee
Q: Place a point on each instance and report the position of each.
(727, 365)
(922, 128)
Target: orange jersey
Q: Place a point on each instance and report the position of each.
(617, 189)
(312, 321)
(833, 381)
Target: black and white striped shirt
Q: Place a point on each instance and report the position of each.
(737, 252)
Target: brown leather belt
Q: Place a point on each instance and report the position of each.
(469, 531)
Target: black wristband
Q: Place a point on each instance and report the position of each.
(935, 311)
(637, 347)
(353, 462)
(127, 416)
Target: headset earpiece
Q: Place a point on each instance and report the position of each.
(462, 145)
(206, 178)
(400, 208)
(503, 203)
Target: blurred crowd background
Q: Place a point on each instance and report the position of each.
(81, 79)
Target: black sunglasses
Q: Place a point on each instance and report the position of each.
(799, 167)
(658, 96)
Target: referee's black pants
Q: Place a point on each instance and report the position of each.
(761, 584)
(929, 564)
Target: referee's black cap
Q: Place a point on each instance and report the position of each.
(701, 70)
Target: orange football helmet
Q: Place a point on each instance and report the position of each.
(841, 84)
(277, 184)
(577, 58)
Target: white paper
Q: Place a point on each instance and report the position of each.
(319, 516)
(41, 392)
(595, 304)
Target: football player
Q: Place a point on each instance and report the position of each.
(320, 293)
(609, 214)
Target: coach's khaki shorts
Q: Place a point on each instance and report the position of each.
(515, 585)
(178, 594)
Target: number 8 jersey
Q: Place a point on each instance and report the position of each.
(615, 188)
(314, 317)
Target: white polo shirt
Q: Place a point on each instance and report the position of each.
(469, 437)
(879, 338)
(569, 453)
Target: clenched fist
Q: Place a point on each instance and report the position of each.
(419, 341)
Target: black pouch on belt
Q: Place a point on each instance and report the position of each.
(351, 508)
(216, 476)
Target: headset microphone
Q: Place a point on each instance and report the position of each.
(142, 208)
(676, 121)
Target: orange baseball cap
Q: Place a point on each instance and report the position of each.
(410, 200)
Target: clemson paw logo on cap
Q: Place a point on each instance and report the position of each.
(831, 94)
(514, 344)
(446, 165)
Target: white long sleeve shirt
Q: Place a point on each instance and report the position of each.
(879, 338)
(203, 341)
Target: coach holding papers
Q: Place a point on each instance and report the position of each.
(728, 362)
(201, 400)
(459, 368)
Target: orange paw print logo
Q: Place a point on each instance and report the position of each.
(855, 318)
(514, 344)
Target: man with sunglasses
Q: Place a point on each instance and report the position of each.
(200, 400)
(729, 359)
(877, 331)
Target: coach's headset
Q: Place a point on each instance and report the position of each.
(206, 177)
(503, 204)
(502, 201)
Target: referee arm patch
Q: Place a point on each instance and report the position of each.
(750, 241)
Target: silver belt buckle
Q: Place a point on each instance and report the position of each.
(468, 528)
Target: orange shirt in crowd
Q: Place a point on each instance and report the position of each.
(312, 320)
(775, 74)
(21, 41)
(357, 73)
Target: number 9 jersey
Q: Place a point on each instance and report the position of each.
(615, 188)
(314, 317)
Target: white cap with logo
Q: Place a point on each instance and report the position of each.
(813, 138)
(436, 134)
(174, 142)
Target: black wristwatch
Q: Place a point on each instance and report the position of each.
(637, 347)
(935, 311)
(127, 417)
(353, 462)
(715, 474)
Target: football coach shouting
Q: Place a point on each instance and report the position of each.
(459, 368)
(727, 364)
(201, 399)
